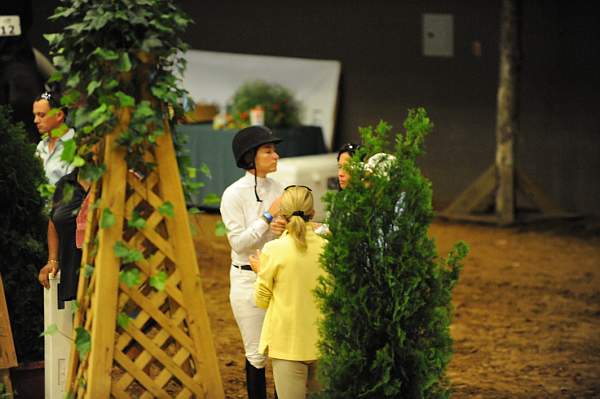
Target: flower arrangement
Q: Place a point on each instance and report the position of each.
(277, 102)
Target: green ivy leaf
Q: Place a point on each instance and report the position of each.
(180, 20)
(92, 172)
(191, 172)
(111, 84)
(60, 130)
(123, 320)
(127, 255)
(136, 221)
(205, 170)
(166, 209)
(159, 91)
(73, 80)
(105, 54)
(77, 161)
(74, 306)
(67, 194)
(88, 270)
(83, 342)
(143, 111)
(150, 43)
(121, 250)
(124, 62)
(130, 277)
(53, 38)
(159, 280)
(211, 199)
(125, 100)
(69, 149)
(107, 219)
(195, 185)
(70, 97)
(220, 229)
(46, 190)
(55, 77)
(92, 86)
(194, 211)
(52, 329)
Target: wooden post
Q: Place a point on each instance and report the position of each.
(162, 346)
(191, 287)
(104, 307)
(8, 356)
(507, 123)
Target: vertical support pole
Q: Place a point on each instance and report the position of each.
(191, 286)
(8, 356)
(104, 307)
(507, 123)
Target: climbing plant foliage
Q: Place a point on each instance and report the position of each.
(119, 64)
(116, 55)
(386, 299)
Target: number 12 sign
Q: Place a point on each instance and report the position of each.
(10, 25)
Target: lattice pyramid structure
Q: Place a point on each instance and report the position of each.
(162, 345)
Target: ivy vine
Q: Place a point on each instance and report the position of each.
(119, 63)
(113, 56)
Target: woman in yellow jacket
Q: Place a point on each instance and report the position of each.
(288, 271)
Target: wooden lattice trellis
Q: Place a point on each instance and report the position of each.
(166, 349)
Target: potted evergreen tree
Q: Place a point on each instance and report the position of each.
(386, 297)
(23, 228)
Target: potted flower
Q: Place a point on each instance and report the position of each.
(277, 103)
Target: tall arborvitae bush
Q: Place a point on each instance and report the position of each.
(386, 298)
(23, 229)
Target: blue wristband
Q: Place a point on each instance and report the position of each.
(268, 217)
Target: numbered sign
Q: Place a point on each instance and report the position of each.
(10, 25)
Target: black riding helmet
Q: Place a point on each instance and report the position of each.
(249, 139)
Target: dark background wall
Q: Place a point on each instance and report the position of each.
(384, 73)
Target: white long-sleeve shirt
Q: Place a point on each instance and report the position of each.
(247, 231)
(54, 167)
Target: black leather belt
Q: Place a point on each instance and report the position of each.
(243, 267)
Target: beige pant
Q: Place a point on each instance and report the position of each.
(294, 379)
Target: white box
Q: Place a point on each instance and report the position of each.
(319, 172)
(57, 346)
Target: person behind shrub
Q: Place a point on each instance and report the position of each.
(288, 271)
(49, 118)
(344, 155)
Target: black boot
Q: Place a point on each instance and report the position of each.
(256, 383)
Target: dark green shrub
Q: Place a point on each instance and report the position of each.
(23, 229)
(386, 300)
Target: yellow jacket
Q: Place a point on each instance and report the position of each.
(285, 287)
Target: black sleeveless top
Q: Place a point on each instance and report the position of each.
(63, 215)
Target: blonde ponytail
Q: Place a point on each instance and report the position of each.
(297, 208)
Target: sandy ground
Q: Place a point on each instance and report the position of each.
(527, 312)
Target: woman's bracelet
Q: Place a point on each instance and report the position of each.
(52, 261)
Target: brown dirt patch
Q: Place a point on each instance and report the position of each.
(527, 312)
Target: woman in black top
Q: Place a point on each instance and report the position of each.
(63, 253)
